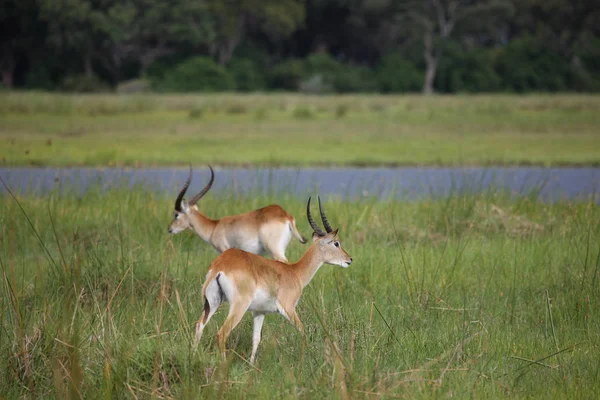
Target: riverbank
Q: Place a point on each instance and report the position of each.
(42, 129)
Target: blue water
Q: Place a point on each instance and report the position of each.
(549, 184)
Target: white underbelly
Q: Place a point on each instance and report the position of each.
(263, 302)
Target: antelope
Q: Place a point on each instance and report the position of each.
(249, 282)
(267, 229)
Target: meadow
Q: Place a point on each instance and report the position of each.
(297, 130)
(479, 295)
(471, 296)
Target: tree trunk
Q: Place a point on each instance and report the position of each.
(431, 62)
(225, 51)
(8, 66)
(429, 77)
(87, 63)
(7, 77)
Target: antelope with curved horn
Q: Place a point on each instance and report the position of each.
(249, 282)
(267, 229)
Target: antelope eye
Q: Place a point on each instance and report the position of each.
(336, 244)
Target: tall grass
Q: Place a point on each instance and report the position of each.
(469, 296)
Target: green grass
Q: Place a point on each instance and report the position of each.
(478, 296)
(284, 129)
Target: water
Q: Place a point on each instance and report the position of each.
(549, 184)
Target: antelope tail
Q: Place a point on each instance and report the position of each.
(294, 230)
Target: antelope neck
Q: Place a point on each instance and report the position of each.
(308, 265)
(202, 225)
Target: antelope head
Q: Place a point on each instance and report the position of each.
(329, 246)
(183, 208)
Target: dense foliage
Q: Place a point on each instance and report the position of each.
(305, 45)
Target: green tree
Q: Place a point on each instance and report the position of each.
(161, 28)
(569, 28)
(435, 21)
(19, 35)
(234, 18)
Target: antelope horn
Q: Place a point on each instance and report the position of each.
(197, 197)
(183, 190)
(324, 218)
(312, 222)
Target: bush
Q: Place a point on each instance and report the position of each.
(247, 75)
(236, 108)
(315, 84)
(161, 66)
(39, 77)
(323, 64)
(396, 75)
(303, 112)
(325, 74)
(197, 74)
(524, 65)
(288, 75)
(339, 77)
(460, 70)
(134, 86)
(84, 84)
(354, 79)
(197, 112)
(585, 74)
(341, 110)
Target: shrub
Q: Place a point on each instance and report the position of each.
(197, 112)
(288, 75)
(524, 64)
(303, 112)
(341, 110)
(134, 86)
(236, 108)
(466, 71)
(198, 74)
(247, 75)
(323, 64)
(84, 84)
(315, 84)
(585, 72)
(39, 77)
(161, 66)
(395, 75)
(261, 114)
(355, 79)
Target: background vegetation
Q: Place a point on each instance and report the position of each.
(482, 296)
(307, 45)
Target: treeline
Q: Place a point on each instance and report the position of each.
(306, 45)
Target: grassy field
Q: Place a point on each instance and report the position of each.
(480, 296)
(283, 129)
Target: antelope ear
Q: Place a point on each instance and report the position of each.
(315, 236)
(185, 206)
(333, 234)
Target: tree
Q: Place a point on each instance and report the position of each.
(86, 26)
(234, 18)
(19, 35)
(434, 21)
(567, 27)
(160, 28)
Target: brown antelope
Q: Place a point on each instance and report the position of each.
(253, 283)
(266, 229)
